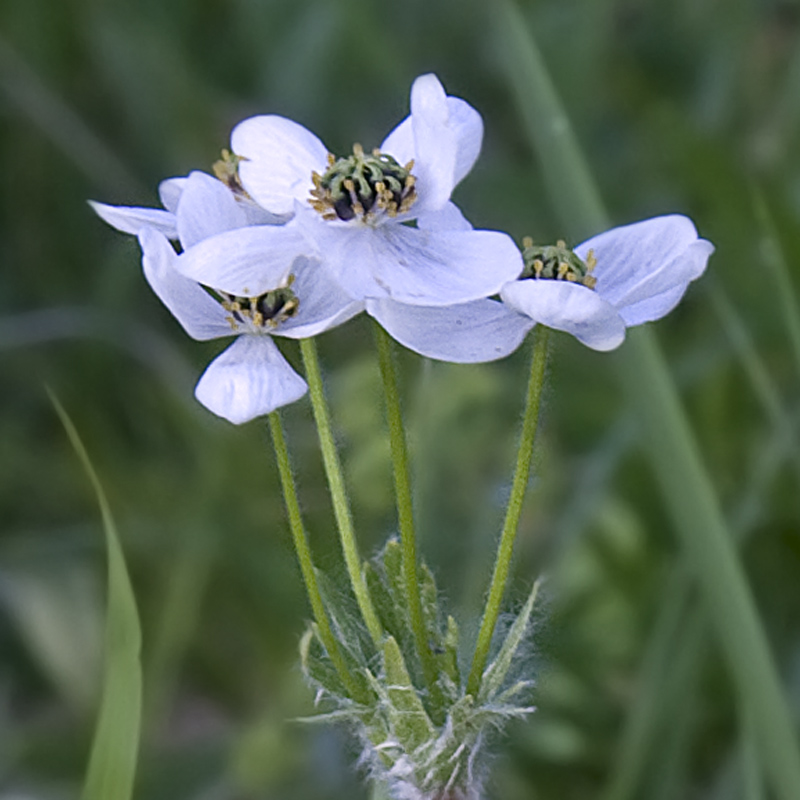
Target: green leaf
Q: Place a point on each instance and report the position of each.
(496, 672)
(112, 763)
(407, 716)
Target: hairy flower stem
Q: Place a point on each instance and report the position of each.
(506, 547)
(341, 506)
(304, 555)
(405, 512)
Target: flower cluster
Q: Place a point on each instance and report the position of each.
(287, 239)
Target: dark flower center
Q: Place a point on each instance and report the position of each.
(262, 313)
(361, 185)
(557, 262)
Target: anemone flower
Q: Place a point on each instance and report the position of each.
(623, 277)
(355, 211)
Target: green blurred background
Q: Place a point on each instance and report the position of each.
(689, 107)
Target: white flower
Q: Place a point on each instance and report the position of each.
(465, 333)
(639, 273)
(286, 296)
(225, 205)
(354, 211)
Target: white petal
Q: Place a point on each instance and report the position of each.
(439, 268)
(568, 307)
(201, 316)
(467, 127)
(483, 330)
(249, 379)
(323, 304)
(653, 307)
(435, 143)
(207, 207)
(279, 157)
(170, 191)
(638, 261)
(130, 219)
(244, 262)
(447, 218)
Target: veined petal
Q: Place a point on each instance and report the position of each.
(440, 268)
(245, 262)
(569, 307)
(647, 258)
(249, 379)
(435, 143)
(170, 191)
(447, 218)
(199, 314)
(131, 219)
(207, 207)
(323, 304)
(483, 330)
(467, 127)
(278, 157)
(653, 307)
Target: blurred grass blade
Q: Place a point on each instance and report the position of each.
(673, 450)
(112, 763)
(775, 260)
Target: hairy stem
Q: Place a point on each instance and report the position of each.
(506, 547)
(341, 506)
(405, 512)
(304, 555)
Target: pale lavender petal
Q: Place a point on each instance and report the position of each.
(447, 218)
(207, 207)
(131, 219)
(170, 191)
(278, 158)
(323, 304)
(647, 258)
(483, 330)
(249, 379)
(569, 307)
(246, 262)
(435, 144)
(201, 316)
(467, 127)
(430, 268)
(653, 307)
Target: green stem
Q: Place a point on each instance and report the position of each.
(341, 507)
(506, 547)
(677, 463)
(304, 555)
(405, 512)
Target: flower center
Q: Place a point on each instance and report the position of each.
(261, 314)
(363, 185)
(557, 262)
(227, 171)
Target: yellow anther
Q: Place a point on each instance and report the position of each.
(562, 244)
(563, 269)
(591, 261)
(331, 159)
(349, 185)
(527, 241)
(358, 150)
(258, 319)
(408, 167)
(376, 151)
(590, 281)
(538, 266)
